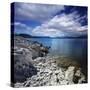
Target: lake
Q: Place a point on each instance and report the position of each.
(74, 47)
(70, 47)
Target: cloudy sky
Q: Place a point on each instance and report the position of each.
(49, 20)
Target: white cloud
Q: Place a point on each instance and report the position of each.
(39, 12)
(21, 28)
(62, 25)
(59, 25)
(46, 32)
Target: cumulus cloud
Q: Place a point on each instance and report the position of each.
(62, 25)
(21, 28)
(52, 20)
(40, 12)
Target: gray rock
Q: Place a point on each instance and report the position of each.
(36, 70)
(78, 73)
(69, 74)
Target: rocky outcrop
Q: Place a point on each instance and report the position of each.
(24, 52)
(49, 74)
(23, 67)
(33, 67)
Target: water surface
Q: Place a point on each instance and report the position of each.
(69, 47)
(74, 47)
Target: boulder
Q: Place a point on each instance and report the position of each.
(34, 68)
(69, 74)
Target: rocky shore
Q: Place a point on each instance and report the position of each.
(33, 67)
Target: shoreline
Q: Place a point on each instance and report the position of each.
(33, 66)
(50, 74)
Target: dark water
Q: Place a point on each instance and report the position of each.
(73, 47)
(66, 47)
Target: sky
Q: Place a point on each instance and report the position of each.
(49, 20)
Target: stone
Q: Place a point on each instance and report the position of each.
(69, 74)
(64, 82)
(36, 69)
(82, 79)
(78, 73)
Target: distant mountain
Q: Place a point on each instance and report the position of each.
(82, 36)
(30, 36)
(23, 35)
(79, 36)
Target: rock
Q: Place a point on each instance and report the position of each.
(79, 77)
(53, 80)
(48, 76)
(17, 85)
(34, 68)
(60, 75)
(24, 52)
(78, 73)
(57, 72)
(82, 79)
(69, 74)
(64, 82)
(47, 71)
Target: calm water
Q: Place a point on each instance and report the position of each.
(66, 47)
(75, 48)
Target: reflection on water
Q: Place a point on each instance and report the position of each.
(69, 47)
(66, 47)
(61, 47)
(75, 48)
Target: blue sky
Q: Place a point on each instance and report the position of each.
(50, 20)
